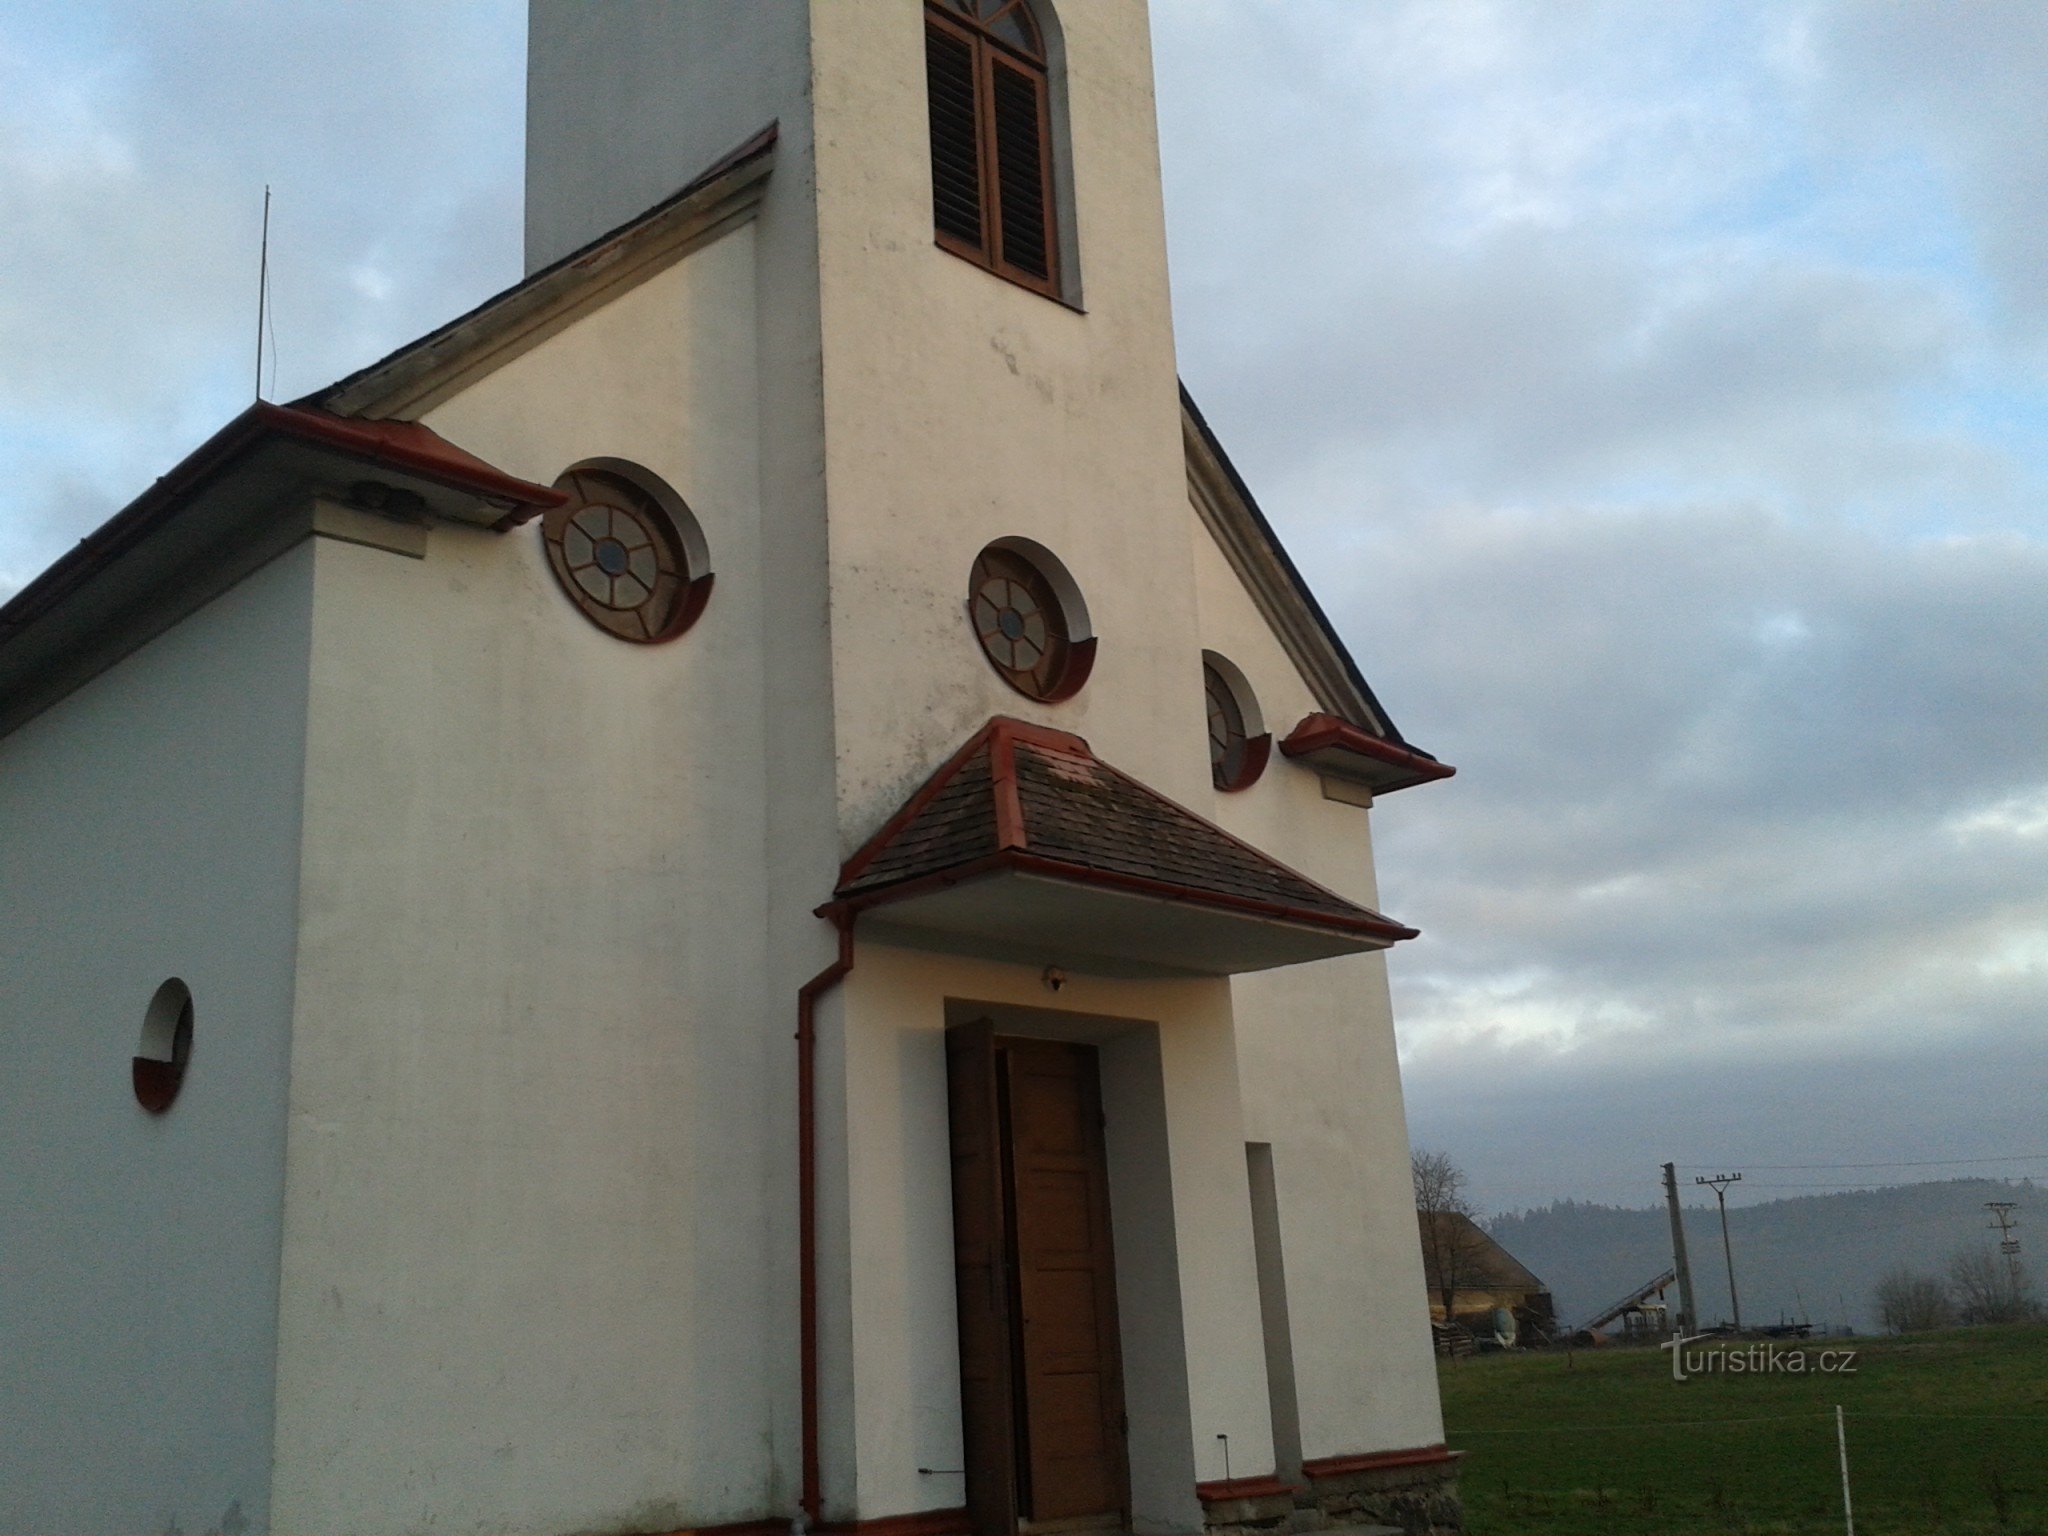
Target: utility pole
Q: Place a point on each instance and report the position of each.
(1720, 1183)
(2002, 1217)
(1688, 1319)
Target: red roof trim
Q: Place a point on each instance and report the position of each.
(401, 444)
(412, 446)
(1084, 874)
(1002, 772)
(1378, 1461)
(1224, 1489)
(1087, 874)
(925, 1522)
(1326, 733)
(918, 885)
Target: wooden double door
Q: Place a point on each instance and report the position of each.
(1041, 1377)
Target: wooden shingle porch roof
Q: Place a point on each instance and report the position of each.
(1025, 845)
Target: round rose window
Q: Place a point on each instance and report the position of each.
(1026, 623)
(622, 559)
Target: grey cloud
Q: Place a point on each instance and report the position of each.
(1711, 763)
(1533, 1124)
(1584, 356)
(1969, 99)
(135, 141)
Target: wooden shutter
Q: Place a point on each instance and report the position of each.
(981, 1259)
(950, 86)
(1023, 192)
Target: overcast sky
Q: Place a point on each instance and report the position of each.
(1654, 394)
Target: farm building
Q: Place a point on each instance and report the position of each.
(1474, 1282)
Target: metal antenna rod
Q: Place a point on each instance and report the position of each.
(262, 289)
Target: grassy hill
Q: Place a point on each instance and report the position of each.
(1813, 1258)
(1948, 1436)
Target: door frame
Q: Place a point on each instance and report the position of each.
(995, 1412)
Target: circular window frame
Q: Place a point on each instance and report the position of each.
(670, 545)
(163, 1055)
(1255, 741)
(1053, 590)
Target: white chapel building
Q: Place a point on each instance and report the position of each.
(733, 895)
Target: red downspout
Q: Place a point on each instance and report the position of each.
(807, 1203)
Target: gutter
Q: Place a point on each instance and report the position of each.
(811, 1503)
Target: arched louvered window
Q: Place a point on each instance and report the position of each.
(991, 122)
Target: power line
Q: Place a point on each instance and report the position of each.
(1769, 1418)
(1867, 1184)
(1929, 1162)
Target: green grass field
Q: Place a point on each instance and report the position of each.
(1948, 1436)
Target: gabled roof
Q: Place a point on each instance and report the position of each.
(1254, 551)
(404, 448)
(266, 479)
(422, 373)
(271, 456)
(1024, 799)
(1483, 1264)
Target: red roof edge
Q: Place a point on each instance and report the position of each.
(1084, 874)
(403, 445)
(412, 446)
(1378, 1461)
(1326, 733)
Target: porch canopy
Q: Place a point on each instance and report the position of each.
(1026, 847)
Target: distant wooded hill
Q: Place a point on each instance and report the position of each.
(1813, 1258)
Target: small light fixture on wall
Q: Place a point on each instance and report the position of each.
(1054, 978)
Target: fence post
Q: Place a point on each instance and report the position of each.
(1842, 1446)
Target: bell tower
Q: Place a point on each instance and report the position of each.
(965, 322)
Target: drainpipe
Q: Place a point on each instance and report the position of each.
(807, 996)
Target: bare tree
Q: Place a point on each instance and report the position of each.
(1451, 1242)
(1987, 1290)
(1912, 1303)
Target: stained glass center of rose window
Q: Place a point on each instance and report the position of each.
(611, 556)
(1010, 623)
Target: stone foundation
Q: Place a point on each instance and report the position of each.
(1247, 1506)
(1415, 1492)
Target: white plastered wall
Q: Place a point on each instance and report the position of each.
(1187, 1287)
(961, 408)
(150, 823)
(1322, 1084)
(537, 1163)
